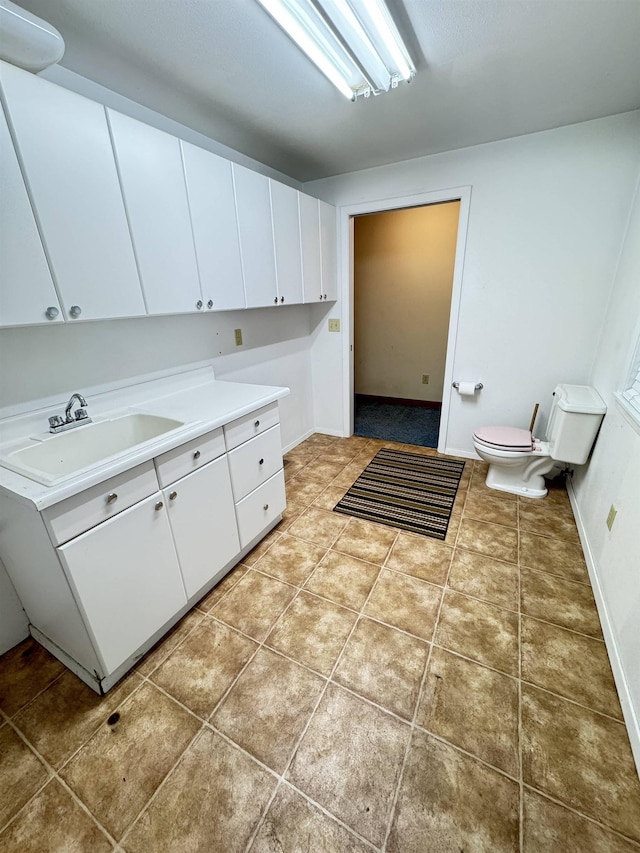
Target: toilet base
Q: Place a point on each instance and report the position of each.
(510, 480)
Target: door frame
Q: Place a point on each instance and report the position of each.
(346, 230)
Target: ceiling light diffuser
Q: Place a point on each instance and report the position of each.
(355, 43)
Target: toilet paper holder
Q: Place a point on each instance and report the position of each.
(479, 385)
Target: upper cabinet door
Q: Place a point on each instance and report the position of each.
(253, 204)
(286, 236)
(150, 168)
(27, 294)
(310, 241)
(328, 251)
(215, 227)
(63, 144)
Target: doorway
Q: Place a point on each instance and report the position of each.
(403, 272)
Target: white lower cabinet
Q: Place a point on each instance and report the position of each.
(126, 578)
(202, 518)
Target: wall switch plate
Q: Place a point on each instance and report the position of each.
(238, 336)
(425, 378)
(334, 325)
(612, 516)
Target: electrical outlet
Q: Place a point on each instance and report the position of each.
(425, 378)
(238, 336)
(334, 325)
(612, 516)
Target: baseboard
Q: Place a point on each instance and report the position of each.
(298, 440)
(465, 454)
(399, 401)
(626, 702)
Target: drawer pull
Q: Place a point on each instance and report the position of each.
(112, 497)
(159, 506)
(261, 462)
(196, 455)
(257, 424)
(173, 496)
(265, 507)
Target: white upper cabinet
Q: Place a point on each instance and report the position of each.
(286, 236)
(215, 227)
(328, 253)
(253, 204)
(155, 194)
(27, 294)
(64, 148)
(310, 241)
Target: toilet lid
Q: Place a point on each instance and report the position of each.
(507, 438)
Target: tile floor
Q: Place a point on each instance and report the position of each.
(347, 688)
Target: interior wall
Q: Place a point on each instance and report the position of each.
(547, 215)
(613, 475)
(403, 274)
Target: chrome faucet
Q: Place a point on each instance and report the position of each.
(59, 424)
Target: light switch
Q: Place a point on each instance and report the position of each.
(334, 325)
(238, 335)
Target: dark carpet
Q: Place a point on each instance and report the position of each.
(405, 490)
(397, 422)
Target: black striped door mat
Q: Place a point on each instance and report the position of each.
(405, 490)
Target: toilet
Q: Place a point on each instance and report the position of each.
(518, 461)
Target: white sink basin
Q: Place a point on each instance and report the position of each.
(56, 457)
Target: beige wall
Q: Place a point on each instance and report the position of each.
(403, 275)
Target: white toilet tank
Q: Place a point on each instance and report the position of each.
(576, 415)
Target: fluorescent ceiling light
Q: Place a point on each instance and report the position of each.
(355, 43)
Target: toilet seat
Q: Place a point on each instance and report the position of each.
(505, 438)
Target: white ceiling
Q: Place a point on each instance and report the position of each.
(487, 70)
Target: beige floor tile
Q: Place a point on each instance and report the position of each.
(53, 822)
(268, 708)
(319, 526)
(304, 490)
(391, 676)
(345, 580)
(292, 511)
(119, 768)
(492, 540)
(557, 556)
(26, 670)
(569, 664)
(483, 577)
(479, 631)
(478, 486)
(548, 520)
(458, 802)
(261, 548)
(201, 669)
(221, 588)
(212, 802)
(254, 604)
(168, 643)
(421, 557)
(406, 603)
(495, 510)
(565, 603)
(581, 758)
(294, 825)
(370, 542)
(550, 828)
(472, 707)
(67, 713)
(290, 560)
(313, 632)
(291, 468)
(349, 761)
(21, 774)
(323, 469)
(330, 497)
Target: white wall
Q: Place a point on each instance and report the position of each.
(547, 215)
(13, 620)
(613, 477)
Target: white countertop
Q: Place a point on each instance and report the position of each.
(196, 398)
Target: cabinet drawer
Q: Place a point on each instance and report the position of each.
(260, 508)
(255, 461)
(250, 425)
(189, 457)
(86, 509)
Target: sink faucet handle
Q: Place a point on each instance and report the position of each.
(56, 420)
(81, 414)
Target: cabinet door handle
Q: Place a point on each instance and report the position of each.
(282, 299)
(112, 497)
(261, 462)
(257, 424)
(320, 296)
(196, 455)
(210, 303)
(173, 496)
(275, 300)
(265, 507)
(159, 506)
(199, 304)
